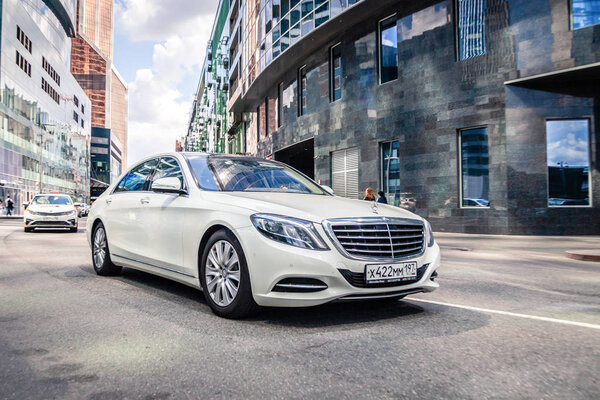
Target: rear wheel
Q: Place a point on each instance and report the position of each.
(224, 277)
(101, 255)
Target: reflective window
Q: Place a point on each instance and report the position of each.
(55, 200)
(422, 21)
(390, 172)
(321, 14)
(567, 144)
(475, 167)
(302, 91)
(335, 65)
(202, 172)
(248, 174)
(585, 13)
(136, 179)
(471, 28)
(388, 50)
(168, 167)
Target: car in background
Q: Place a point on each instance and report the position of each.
(82, 209)
(50, 211)
(467, 202)
(252, 232)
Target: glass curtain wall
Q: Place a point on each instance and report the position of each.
(585, 13)
(471, 28)
(270, 27)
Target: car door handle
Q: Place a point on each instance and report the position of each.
(145, 200)
(108, 200)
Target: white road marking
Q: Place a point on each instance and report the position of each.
(511, 314)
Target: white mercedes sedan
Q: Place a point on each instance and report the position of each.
(251, 232)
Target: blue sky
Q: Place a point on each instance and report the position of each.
(159, 47)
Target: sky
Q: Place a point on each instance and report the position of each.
(159, 49)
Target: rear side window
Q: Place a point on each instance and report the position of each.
(137, 178)
(168, 167)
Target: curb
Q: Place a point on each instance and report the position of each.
(583, 255)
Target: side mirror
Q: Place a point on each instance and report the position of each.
(327, 189)
(169, 184)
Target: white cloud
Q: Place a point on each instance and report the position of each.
(158, 106)
(157, 19)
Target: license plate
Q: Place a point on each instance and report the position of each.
(51, 219)
(377, 273)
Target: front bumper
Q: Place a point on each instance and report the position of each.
(50, 222)
(270, 262)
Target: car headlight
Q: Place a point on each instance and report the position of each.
(429, 233)
(31, 212)
(293, 231)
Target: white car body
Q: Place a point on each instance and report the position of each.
(50, 215)
(163, 234)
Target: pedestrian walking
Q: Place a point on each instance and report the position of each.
(369, 196)
(381, 198)
(9, 206)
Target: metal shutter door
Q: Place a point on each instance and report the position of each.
(344, 173)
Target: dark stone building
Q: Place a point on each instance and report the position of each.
(480, 115)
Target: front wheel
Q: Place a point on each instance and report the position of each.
(101, 254)
(224, 277)
(28, 229)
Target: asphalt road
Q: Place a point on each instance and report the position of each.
(66, 333)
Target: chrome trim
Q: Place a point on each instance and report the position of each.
(295, 286)
(328, 228)
(153, 265)
(383, 295)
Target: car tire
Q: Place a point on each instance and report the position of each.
(28, 229)
(73, 229)
(101, 261)
(243, 304)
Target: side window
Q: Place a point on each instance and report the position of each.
(135, 180)
(168, 167)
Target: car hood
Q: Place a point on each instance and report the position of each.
(55, 208)
(314, 208)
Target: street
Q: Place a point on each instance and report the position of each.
(66, 333)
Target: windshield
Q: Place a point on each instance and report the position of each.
(247, 174)
(55, 200)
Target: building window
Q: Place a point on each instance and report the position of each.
(585, 13)
(344, 173)
(388, 50)
(266, 116)
(390, 171)
(279, 104)
(335, 71)
(24, 39)
(51, 71)
(75, 116)
(257, 124)
(23, 63)
(82, 123)
(76, 101)
(474, 167)
(82, 109)
(568, 158)
(302, 91)
(471, 28)
(50, 90)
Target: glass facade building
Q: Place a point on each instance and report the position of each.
(44, 113)
(92, 65)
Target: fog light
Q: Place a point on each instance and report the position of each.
(433, 276)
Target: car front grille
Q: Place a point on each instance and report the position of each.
(52, 223)
(378, 238)
(357, 279)
(56, 214)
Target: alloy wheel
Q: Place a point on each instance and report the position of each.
(99, 247)
(222, 273)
